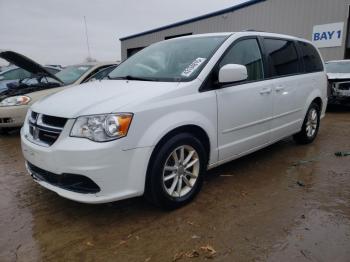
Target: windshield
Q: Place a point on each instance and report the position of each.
(72, 73)
(171, 61)
(338, 67)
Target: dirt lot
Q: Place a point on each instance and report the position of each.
(284, 203)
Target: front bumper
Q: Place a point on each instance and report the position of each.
(339, 92)
(119, 173)
(12, 116)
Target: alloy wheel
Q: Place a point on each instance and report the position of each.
(311, 124)
(181, 170)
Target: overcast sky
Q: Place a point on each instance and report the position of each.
(52, 31)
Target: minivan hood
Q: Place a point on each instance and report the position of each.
(100, 97)
(333, 76)
(27, 64)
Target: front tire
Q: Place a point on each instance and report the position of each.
(176, 172)
(310, 126)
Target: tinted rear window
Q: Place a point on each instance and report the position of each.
(311, 58)
(282, 57)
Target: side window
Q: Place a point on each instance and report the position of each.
(311, 58)
(247, 53)
(282, 57)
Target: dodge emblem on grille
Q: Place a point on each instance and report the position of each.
(42, 131)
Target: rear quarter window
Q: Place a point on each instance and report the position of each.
(310, 57)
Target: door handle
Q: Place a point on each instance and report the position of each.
(279, 88)
(265, 91)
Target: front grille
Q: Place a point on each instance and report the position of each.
(33, 115)
(72, 182)
(45, 129)
(344, 86)
(48, 137)
(54, 121)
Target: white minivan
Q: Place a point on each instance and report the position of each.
(171, 112)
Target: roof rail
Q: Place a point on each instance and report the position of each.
(253, 30)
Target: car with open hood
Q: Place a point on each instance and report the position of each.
(17, 97)
(338, 73)
(16, 74)
(172, 111)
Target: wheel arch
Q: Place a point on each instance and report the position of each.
(315, 96)
(194, 130)
(319, 102)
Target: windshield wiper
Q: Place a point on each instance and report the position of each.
(129, 77)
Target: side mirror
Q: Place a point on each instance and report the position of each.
(232, 73)
(1, 77)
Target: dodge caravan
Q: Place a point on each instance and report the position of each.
(172, 111)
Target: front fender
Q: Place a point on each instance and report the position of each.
(172, 120)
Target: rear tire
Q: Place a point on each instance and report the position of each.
(310, 126)
(175, 175)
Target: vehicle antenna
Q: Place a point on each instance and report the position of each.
(87, 38)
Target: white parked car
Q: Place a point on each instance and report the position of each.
(174, 110)
(339, 81)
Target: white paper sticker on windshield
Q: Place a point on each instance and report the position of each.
(193, 67)
(83, 68)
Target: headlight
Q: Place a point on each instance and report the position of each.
(102, 128)
(15, 101)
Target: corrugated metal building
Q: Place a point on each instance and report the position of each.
(323, 21)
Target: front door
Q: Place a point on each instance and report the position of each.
(244, 109)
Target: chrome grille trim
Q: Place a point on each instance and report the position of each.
(41, 133)
(42, 125)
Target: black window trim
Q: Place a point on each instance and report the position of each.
(267, 75)
(214, 86)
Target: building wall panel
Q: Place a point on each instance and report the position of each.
(293, 17)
